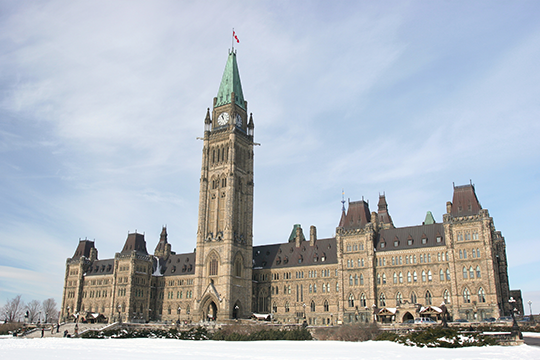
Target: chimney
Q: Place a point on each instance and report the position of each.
(299, 236)
(312, 235)
(448, 207)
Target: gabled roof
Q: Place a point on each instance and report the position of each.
(230, 82)
(465, 202)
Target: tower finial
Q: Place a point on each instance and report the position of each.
(343, 200)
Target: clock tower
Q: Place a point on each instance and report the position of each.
(224, 252)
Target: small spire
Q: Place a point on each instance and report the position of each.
(343, 200)
(250, 124)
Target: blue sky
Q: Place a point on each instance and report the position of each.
(101, 103)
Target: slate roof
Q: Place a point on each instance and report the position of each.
(414, 233)
(178, 264)
(83, 249)
(287, 255)
(135, 242)
(357, 216)
(101, 267)
(465, 202)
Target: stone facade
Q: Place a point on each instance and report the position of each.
(369, 271)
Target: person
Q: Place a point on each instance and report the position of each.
(57, 327)
(42, 332)
(65, 333)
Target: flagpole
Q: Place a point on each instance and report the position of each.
(232, 40)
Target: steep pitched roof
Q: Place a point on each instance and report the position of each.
(429, 219)
(287, 255)
(83, 249)
(382, 214)
(398, 238)
(135, 242)
(357, 217)
(230, 82)
(465, 202)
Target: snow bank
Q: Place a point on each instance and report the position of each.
(135, 349)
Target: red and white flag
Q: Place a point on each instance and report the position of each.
(235, 37)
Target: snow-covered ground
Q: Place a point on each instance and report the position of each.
(134, 349)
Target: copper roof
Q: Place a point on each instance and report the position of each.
(287, 255)
(465, 202)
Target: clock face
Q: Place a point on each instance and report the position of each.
(223, 119)
(238, 120)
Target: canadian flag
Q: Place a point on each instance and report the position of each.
(235, 37)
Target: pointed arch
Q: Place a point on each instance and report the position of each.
(413, 297)
(238, 264)
(382, 299)
(428, 298)
(326, 307)
(446, 296)
(212, 263)
(481, 295)
(363, 301)
(312, 306)
(399, 299)
(466, 295)
(351, 300)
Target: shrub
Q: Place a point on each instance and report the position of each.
(439, 337)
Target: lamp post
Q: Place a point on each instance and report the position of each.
(179, 312)
(515, 327)
(119, 316)
(530, 310)
(46, 317)
(304, 323)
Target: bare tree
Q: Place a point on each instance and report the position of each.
(33, 309)
(50, 309)
(13, 309)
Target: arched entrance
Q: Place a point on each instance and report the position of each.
(407, 317)
(211, 311)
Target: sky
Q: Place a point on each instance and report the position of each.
(101, 104)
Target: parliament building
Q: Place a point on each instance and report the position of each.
(369, 271)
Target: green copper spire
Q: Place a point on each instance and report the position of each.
(429, 219)
(230, 82)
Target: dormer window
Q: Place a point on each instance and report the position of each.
(424, 240)
(396, 243)
(383, 245)
(410, 242)
(439, 238)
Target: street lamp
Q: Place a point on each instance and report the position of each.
(179, 312)
(530, 310)
(119, 316)
(515, 327)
